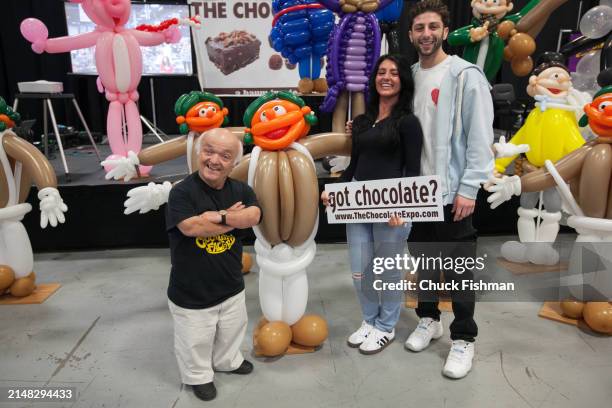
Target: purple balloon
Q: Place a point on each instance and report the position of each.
(355, 57)
(357, 79)
(356, 50)
(360, 28)
(357, 42)
(335, 49)
(360, 36)
(360, 20)
(355, 87)
(354, 65)
(351, 72)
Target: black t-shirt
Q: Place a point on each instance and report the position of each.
(374, 158)
(205, 271)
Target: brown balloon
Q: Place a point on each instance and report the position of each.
(533, 22)
(273, 338)
(7, 277)
(521, 66)
(572, 308)
(265, 185)
(306, 189)
(287, 196)
(310, 331)
(247, 262)
(598, 315)
(504, 28)
(522, 45)
(508, 54)
(22, 287)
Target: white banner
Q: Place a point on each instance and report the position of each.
(233, 53)
(416, 199)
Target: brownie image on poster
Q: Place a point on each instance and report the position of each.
(232, 51)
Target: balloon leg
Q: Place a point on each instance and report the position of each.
(339, 116)
(15, 248)
(295, 297)
(134, 142)
(114, 129)
(271, 296)
(357, 104)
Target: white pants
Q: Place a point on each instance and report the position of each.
(207, 339)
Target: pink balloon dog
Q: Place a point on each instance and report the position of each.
(118, 61)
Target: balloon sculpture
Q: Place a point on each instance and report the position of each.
(595, 44)
(589, 169)
(485, 39)
(20, 164)
(299, 32)
(388, 20)
(118, 61)
(281, 171)
(353, 48)
(549, 133)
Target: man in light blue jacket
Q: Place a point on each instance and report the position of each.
(454, 105)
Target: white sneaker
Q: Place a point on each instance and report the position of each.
(360, 335)
(376, 341)
(426, 330)
(459, 360)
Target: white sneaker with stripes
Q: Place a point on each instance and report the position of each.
(376, 341)
(360, 335)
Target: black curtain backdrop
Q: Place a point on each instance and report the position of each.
(18, 63)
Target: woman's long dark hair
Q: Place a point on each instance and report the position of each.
(402, 107)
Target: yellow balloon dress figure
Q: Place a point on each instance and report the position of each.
(549, 133)
(21, 164)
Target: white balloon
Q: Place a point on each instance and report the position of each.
(514, 251)
(597, 22)
(588, 65)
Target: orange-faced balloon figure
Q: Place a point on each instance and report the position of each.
(588, 170)
(196, 112)
(20, 164)
(282, 173)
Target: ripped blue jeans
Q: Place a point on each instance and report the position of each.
(368, 244)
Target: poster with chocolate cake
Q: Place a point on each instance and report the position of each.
(233, 53)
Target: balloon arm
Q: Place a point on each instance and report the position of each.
(535, 19)
(149, 39)
(162, 152)
(241, 170)
(460, 36)
(569, 168)
(33, 161)
(328, 144)
(73, 42)
(524, 11)
(563, 189)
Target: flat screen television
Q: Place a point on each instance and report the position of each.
(165, 59)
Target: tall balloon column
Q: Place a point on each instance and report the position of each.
(281, 170)
(118, 61)
(21, 164)
(353, 48)
(300, 30)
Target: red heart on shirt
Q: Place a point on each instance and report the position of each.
(435, 93)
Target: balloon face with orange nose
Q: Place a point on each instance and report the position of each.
(199, 111)
(599, 112)
(277, 119)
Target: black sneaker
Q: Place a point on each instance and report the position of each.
(245, 368)
(205, 392)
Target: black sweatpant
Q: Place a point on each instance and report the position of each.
(455, 239)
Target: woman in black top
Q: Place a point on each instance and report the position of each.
(386, 143)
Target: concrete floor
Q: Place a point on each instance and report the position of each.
(108, 333)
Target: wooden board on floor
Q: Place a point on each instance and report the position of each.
(293, 349)
(552, 311)
(444, 305)
(527, 268)
(40, 294)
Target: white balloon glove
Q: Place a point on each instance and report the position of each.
(52, 207)
(146, 198)
(339, 163)
(123, 168)
(503, 189)
(504, 149)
